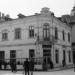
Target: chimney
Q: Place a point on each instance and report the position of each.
(3, 15)
(8, 16)
(21, 15)
(0, 15)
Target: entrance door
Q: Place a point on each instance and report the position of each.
(13, 56)
(46, 58)
(46, 55)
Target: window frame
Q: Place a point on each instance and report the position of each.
(4, 36)
(57, 56)
(69, 54)
(46, 31)
(69, 39)
(63, 35)
(17, 33)
(56, 33)
(31, 31)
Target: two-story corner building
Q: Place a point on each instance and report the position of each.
(40, 36)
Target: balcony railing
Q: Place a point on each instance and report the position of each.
(41, 39)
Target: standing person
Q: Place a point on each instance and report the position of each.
(11, 65)
(74, 64)
(5, 65)
(14, 66)
(31, 65)
(0, 64)
(44, 64)
(63, 63)
(26, 67)
(51, 64)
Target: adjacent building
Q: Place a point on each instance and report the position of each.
(70, 20)
(41, 36)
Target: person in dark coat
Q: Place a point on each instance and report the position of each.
(0, 64)
(51, 64)
(26, 67)
(44, 64)
(5, 65)
(31, 65)
(13, 66)
(63, 63)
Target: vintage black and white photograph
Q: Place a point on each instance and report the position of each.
(37, 37)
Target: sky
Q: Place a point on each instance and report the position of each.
(29, 7)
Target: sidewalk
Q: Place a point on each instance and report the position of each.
(62, 72)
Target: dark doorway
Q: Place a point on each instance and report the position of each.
(46, 58)
(74, 56)
(47, 55)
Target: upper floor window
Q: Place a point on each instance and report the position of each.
(68, 37)
(56, 33)
(63, 35)
(31, 31)
(46, 31)
(4, 36)
(18, 33)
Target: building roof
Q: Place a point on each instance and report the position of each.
(73, 8)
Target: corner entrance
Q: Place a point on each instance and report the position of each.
(46, 55)
(46, 58)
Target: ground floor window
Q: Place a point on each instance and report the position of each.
(69, 55)
(12, 55)
(57, 56)
(2, 55)
(31, 53)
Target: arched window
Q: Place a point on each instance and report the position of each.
(68, 37)
(56, 33)
(46, 32)
(63, 34)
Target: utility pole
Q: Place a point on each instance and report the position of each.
(53, 39)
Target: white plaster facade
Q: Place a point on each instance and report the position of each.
(23, 45)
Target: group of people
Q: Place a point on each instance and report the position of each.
(3, 63)
(28, 66)
(47, 63)
(13, 66)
